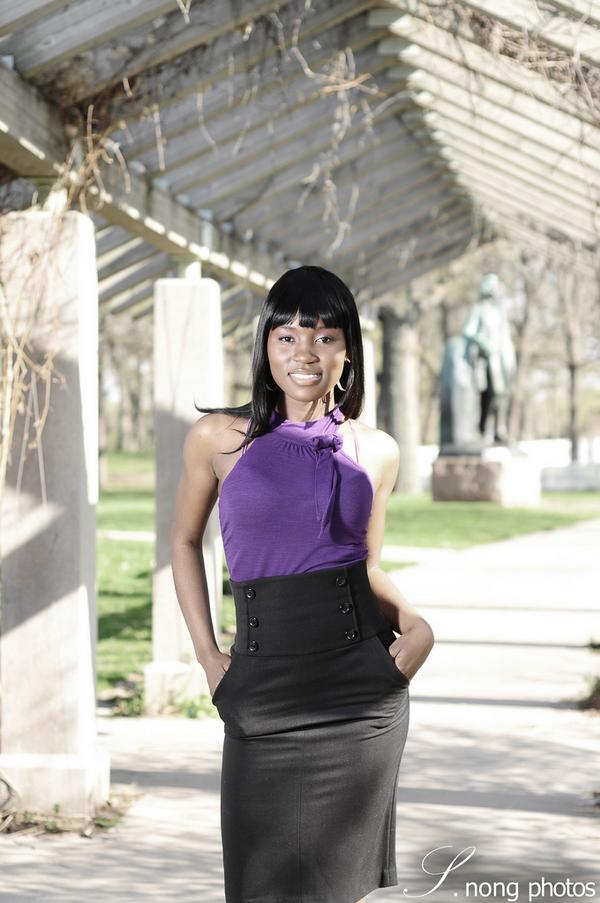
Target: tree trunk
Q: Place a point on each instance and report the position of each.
(574, 353)
(522, 343)
(125, 428)
(574, 410)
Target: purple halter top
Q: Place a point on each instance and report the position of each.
(294, 502)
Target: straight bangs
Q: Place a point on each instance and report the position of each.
(305, 292)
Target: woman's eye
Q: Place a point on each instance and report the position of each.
(328, 338)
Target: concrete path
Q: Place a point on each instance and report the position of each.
(498, 761)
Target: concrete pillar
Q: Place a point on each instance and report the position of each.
(48, 745)
(237, 376)
(406, 414)
(369, 412)
(400, 393)
(188, 368)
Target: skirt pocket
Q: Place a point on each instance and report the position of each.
(226, 675)
(380, 644)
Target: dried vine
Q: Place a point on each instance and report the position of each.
(577, 82)
(27, 373)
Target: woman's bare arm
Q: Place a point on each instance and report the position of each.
(412, 648)
(196, 495)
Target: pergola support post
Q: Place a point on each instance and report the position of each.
(399, 398)
(188, 369)
(48, 744)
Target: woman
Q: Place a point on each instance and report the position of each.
(314, 697)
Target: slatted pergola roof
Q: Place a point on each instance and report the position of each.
(381, 139)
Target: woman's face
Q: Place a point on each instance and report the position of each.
(306, 363)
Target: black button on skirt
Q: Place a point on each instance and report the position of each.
(315, 715)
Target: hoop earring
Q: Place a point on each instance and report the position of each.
(348, 383)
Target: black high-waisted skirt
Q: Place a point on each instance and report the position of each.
(315, 714)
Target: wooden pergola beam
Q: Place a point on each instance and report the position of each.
(119, 284)
(247, 97)
(555, 30)
(262, 174)
(544, 150)
(252, 205)
(48, 41)
(367, 184)
(34, 144)
(575, 38)
(437, 74)
(374, 291)
(402, 241)
(509, 227)
(545, 207)
(142, 299)
(281, 199)
(403, 236)
(129, 253)
(400, 192)
(577, 162)
(110, 239)
(480, 142)
(587, 11)
(382, 270)
(249, 131)
(170, 64)
(493, 200)
(523, 116)
(577, 196)
(14, 16)
(485, 131)
(400, 212)
(121, 50)
(422, 45)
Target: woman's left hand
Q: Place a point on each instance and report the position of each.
(410, 649)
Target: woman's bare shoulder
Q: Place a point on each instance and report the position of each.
(216, 432)
(377, 442)
(211, 426)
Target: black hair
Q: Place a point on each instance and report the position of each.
(312, 292)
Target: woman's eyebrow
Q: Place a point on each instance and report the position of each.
(307, 327)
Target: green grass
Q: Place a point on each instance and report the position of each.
(125, 567)
(130, 469)
(125, 509)
(124, 572)
(418, 521)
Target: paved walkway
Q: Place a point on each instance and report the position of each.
(497, 758)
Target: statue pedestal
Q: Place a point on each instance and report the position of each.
(499, 474)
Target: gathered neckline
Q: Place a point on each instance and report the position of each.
(334, 414)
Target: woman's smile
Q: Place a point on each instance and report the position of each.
(304, 378)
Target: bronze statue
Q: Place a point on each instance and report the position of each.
(478, 372)
(491, 353)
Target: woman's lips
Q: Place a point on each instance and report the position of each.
(305, 379)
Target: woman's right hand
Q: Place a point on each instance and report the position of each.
(215, 670)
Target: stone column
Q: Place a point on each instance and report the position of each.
(48, 745)
(369, 412)
(400, 393)
(188, 368)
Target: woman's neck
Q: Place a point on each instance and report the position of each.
(303, 412)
